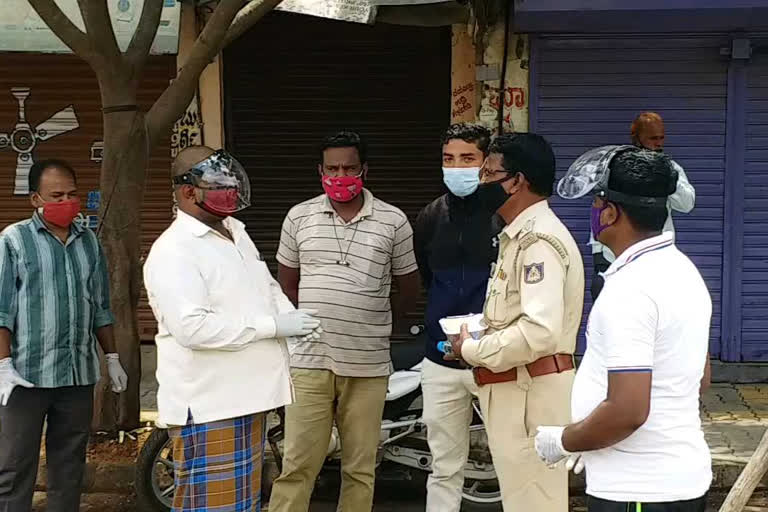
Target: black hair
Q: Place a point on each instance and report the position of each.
(38, 169)
(472, 133)
(531, 155)
(645, 173)
(346, 139)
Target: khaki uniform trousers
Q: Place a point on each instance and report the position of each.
(357, 404)
(512, 411)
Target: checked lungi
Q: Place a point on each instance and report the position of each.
(217, 465)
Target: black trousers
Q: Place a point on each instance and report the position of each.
(601, 265)
(68, 411)
(598, 505)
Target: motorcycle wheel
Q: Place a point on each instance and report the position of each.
(154, 473)
(481, 496)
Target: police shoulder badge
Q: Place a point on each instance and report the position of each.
(533, 273)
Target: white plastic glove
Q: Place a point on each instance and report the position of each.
(575, 463)
(549, 444)
(9, 379)
(296, 323)
(116, 373)
(313, 336)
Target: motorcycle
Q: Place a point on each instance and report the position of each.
(403, 452)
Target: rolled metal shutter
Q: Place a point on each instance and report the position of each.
(588, 90)
(294, 79)
(754, 327)
(54, 82)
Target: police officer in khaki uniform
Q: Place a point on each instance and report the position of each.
(524, 362)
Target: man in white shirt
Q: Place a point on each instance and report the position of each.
(636, 395)
(222, 360)
(647, 132)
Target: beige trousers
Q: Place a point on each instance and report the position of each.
(448, 396)
(512, 411)
(357, 405)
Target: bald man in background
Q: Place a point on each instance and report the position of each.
(647, 131)
(222, 359)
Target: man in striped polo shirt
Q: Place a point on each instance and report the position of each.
(338, 254)
(54, 306)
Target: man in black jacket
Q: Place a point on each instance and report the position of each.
(455, 243)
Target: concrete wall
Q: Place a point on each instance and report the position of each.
(478, 100)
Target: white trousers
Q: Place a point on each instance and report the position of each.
(447, 413)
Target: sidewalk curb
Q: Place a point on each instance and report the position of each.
(119, 479)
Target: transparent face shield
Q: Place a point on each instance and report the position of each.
(589, 175)
(221, 181)
(589, 172)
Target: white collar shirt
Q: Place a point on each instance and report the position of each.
(653, 315)
(215, 302)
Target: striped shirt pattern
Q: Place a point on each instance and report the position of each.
(353, 301)
(53, 297)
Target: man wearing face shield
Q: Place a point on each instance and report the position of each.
(222, 359)
(647, 132)
(524, 362)
(636, 394)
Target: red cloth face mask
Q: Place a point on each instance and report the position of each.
(342, 189)
(221, 202)
(62, 213)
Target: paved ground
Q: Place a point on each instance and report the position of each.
(734, 419)
(389, 500)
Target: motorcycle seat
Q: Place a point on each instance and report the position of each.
(407, 354)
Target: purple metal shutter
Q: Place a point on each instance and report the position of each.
(754, 328)
(588, 90)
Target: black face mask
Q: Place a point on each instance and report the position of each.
(492, 195)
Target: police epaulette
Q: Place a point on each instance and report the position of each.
(532, 237)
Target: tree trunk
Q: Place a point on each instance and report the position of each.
(123, 176)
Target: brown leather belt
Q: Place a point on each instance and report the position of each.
(557, 363)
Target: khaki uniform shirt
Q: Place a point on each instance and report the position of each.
(535, 295)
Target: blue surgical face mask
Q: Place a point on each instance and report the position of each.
(461, 181)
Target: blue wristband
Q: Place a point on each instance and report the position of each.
(444, 347)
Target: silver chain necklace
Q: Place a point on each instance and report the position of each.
(343, 255)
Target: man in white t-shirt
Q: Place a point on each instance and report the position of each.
(635, 399)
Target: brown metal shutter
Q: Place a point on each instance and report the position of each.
(293, 79)
(54, 83)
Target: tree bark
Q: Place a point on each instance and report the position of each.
(129, 136)
(123, 179)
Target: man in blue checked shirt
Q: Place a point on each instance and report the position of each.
(54, 306)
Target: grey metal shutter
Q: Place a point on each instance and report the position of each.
(587, 90)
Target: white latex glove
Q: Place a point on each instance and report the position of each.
(116, 373)
(313, 336)
(296, 323)
(549, 444)
(575, 463)
(9, 379)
